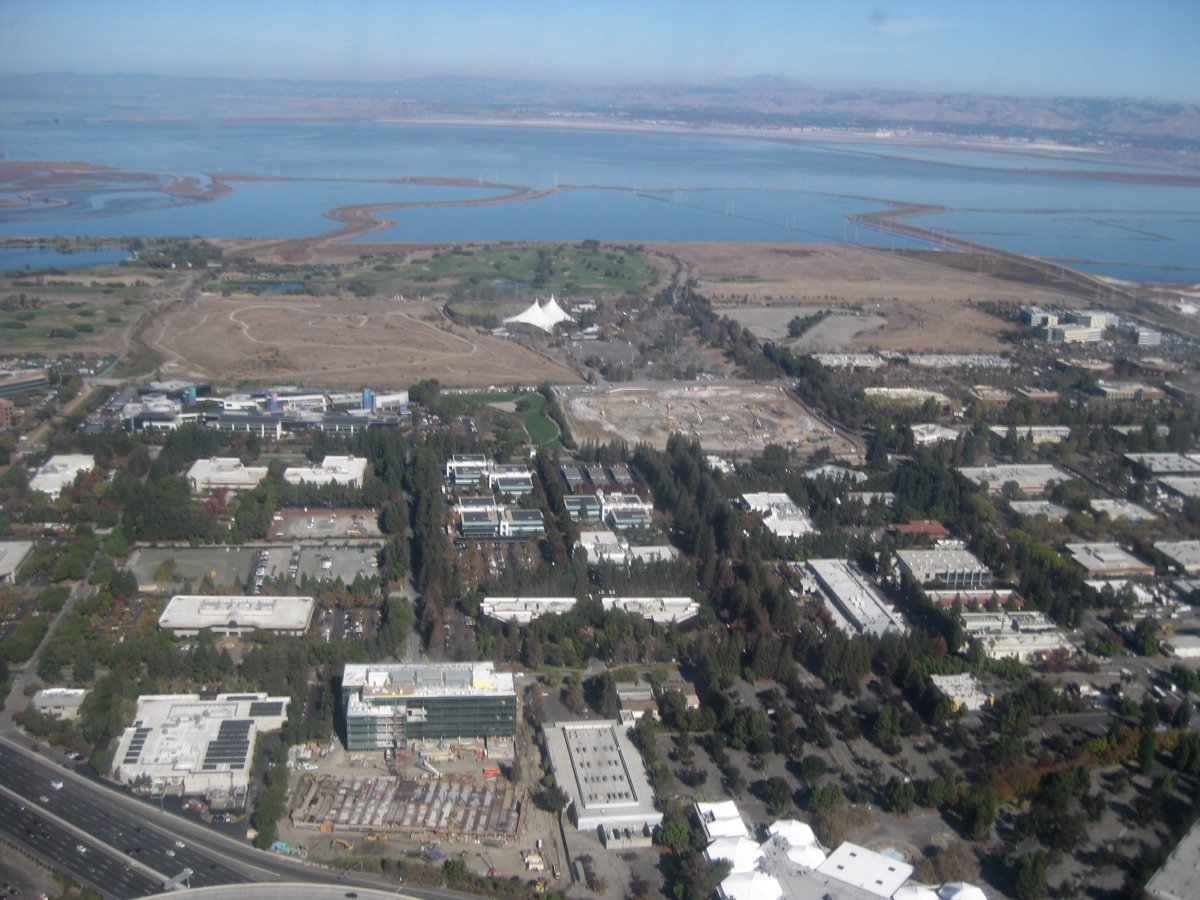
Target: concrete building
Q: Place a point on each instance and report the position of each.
(13, 555)
(907, 395)
(467, 469)
(1183, 646)
(332, 470)
(60, 472)
(1128, 391)
(1122, 509)
(523, 610)
(1179, 877)
(1164, 463)
(514, 480)
(601, 771)
(928, 433)
(862, 361)
(659, 610)
(953, 568)
(1037, 317)
(188, 614)
(1029, 478)
(1030, 508)
(606, 546)
(1040, 395)
(1104, 560)
(62, 703)
(1023, 636)
(7, 410)
(875, 873)
(1073, 334)
(624, 510)
(479, 523)
(721, 819)
(1037, 434)
(582, 507)
(986, 393)
(853, 599)
(224, 472)
(1187, 486)
(780, 514)
(636, 700)
(1093, 318)
(203, 744)
(522, 523)
(1185, 554)
(388, 704)
(742, 854)
(964, 691)
(14, 384)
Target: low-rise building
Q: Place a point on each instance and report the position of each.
(927, 433)
(1023, 636)
(1121, 509)
(721, 819)
(1187, 486)
(59, 473)
(332, 470)
(582, 507)
(780, 514)
(1040, 395)
(199, 743)
(523, 610)
(636, 700)
(951, 567)
(522, 523)
(467, 468)
(226, 472)
(1183, 646)
(1103, 560)
(1073, 334)
(876, 873)
(188, 614)
(1037, 317)
(1031, 508)
(986, 393)
(602, 774)
(1037, 434)
(659, 610)
(13, 555)
(907, 395)
(511, 479)
(1185, 554)
(929, 528)
(1093, 318)
(479, 523)
(1029, 478)
(963, 691)
(1128, 390)
(854, 601)
(61, 703)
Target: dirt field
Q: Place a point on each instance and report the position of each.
(924, 306)
(737, 417)
(337, 343)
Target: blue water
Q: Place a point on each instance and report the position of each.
(613, 186)
(48, 257)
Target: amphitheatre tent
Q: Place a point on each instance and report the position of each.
(543, 316)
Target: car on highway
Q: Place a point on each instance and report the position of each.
(81, 848)
(44, 798)
(170, 853)
(56, 784)
(180, 844)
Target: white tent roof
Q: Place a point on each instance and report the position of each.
(809, 856)
(751, 886)
(795, 832)
(539, 316)
(915, 892)
(743, 853)
(961, 890)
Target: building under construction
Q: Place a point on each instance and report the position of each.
(436, 809)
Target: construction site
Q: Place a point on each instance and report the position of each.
(447, 809)
(727, 417)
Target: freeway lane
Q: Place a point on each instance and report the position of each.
(131, 833)
(111, 826)
(59, 847)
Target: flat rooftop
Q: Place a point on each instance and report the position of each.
(599, 768)
(1101, 558)
(1031, 478)
(1179, 876)
(1167, 463)
(1184, 553)
(866, 870)
(925, 565)
(427, 679)
(195, 611)
(1122, 509)
(1184, 485)
(1038, 508)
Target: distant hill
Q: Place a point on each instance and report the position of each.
(764, 102)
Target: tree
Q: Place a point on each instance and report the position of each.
(777, 793)
(899, 795)
(1029, 875)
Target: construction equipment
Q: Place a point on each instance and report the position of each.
(339, 842)
(539, 886)
(375, 836)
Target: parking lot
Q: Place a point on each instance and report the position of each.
(238, 569)
(325, 524)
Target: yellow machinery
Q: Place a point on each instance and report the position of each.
(338, 842)
(377, 836)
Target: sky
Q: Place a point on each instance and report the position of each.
(1089, 48)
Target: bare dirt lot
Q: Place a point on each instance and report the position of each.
(337, 342)
(925, 306)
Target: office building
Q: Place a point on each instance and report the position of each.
(388, 704)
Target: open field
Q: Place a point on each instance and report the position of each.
(338, 342)
(727, 417)
(924, 305)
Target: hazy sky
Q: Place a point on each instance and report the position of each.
(1134, 48)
